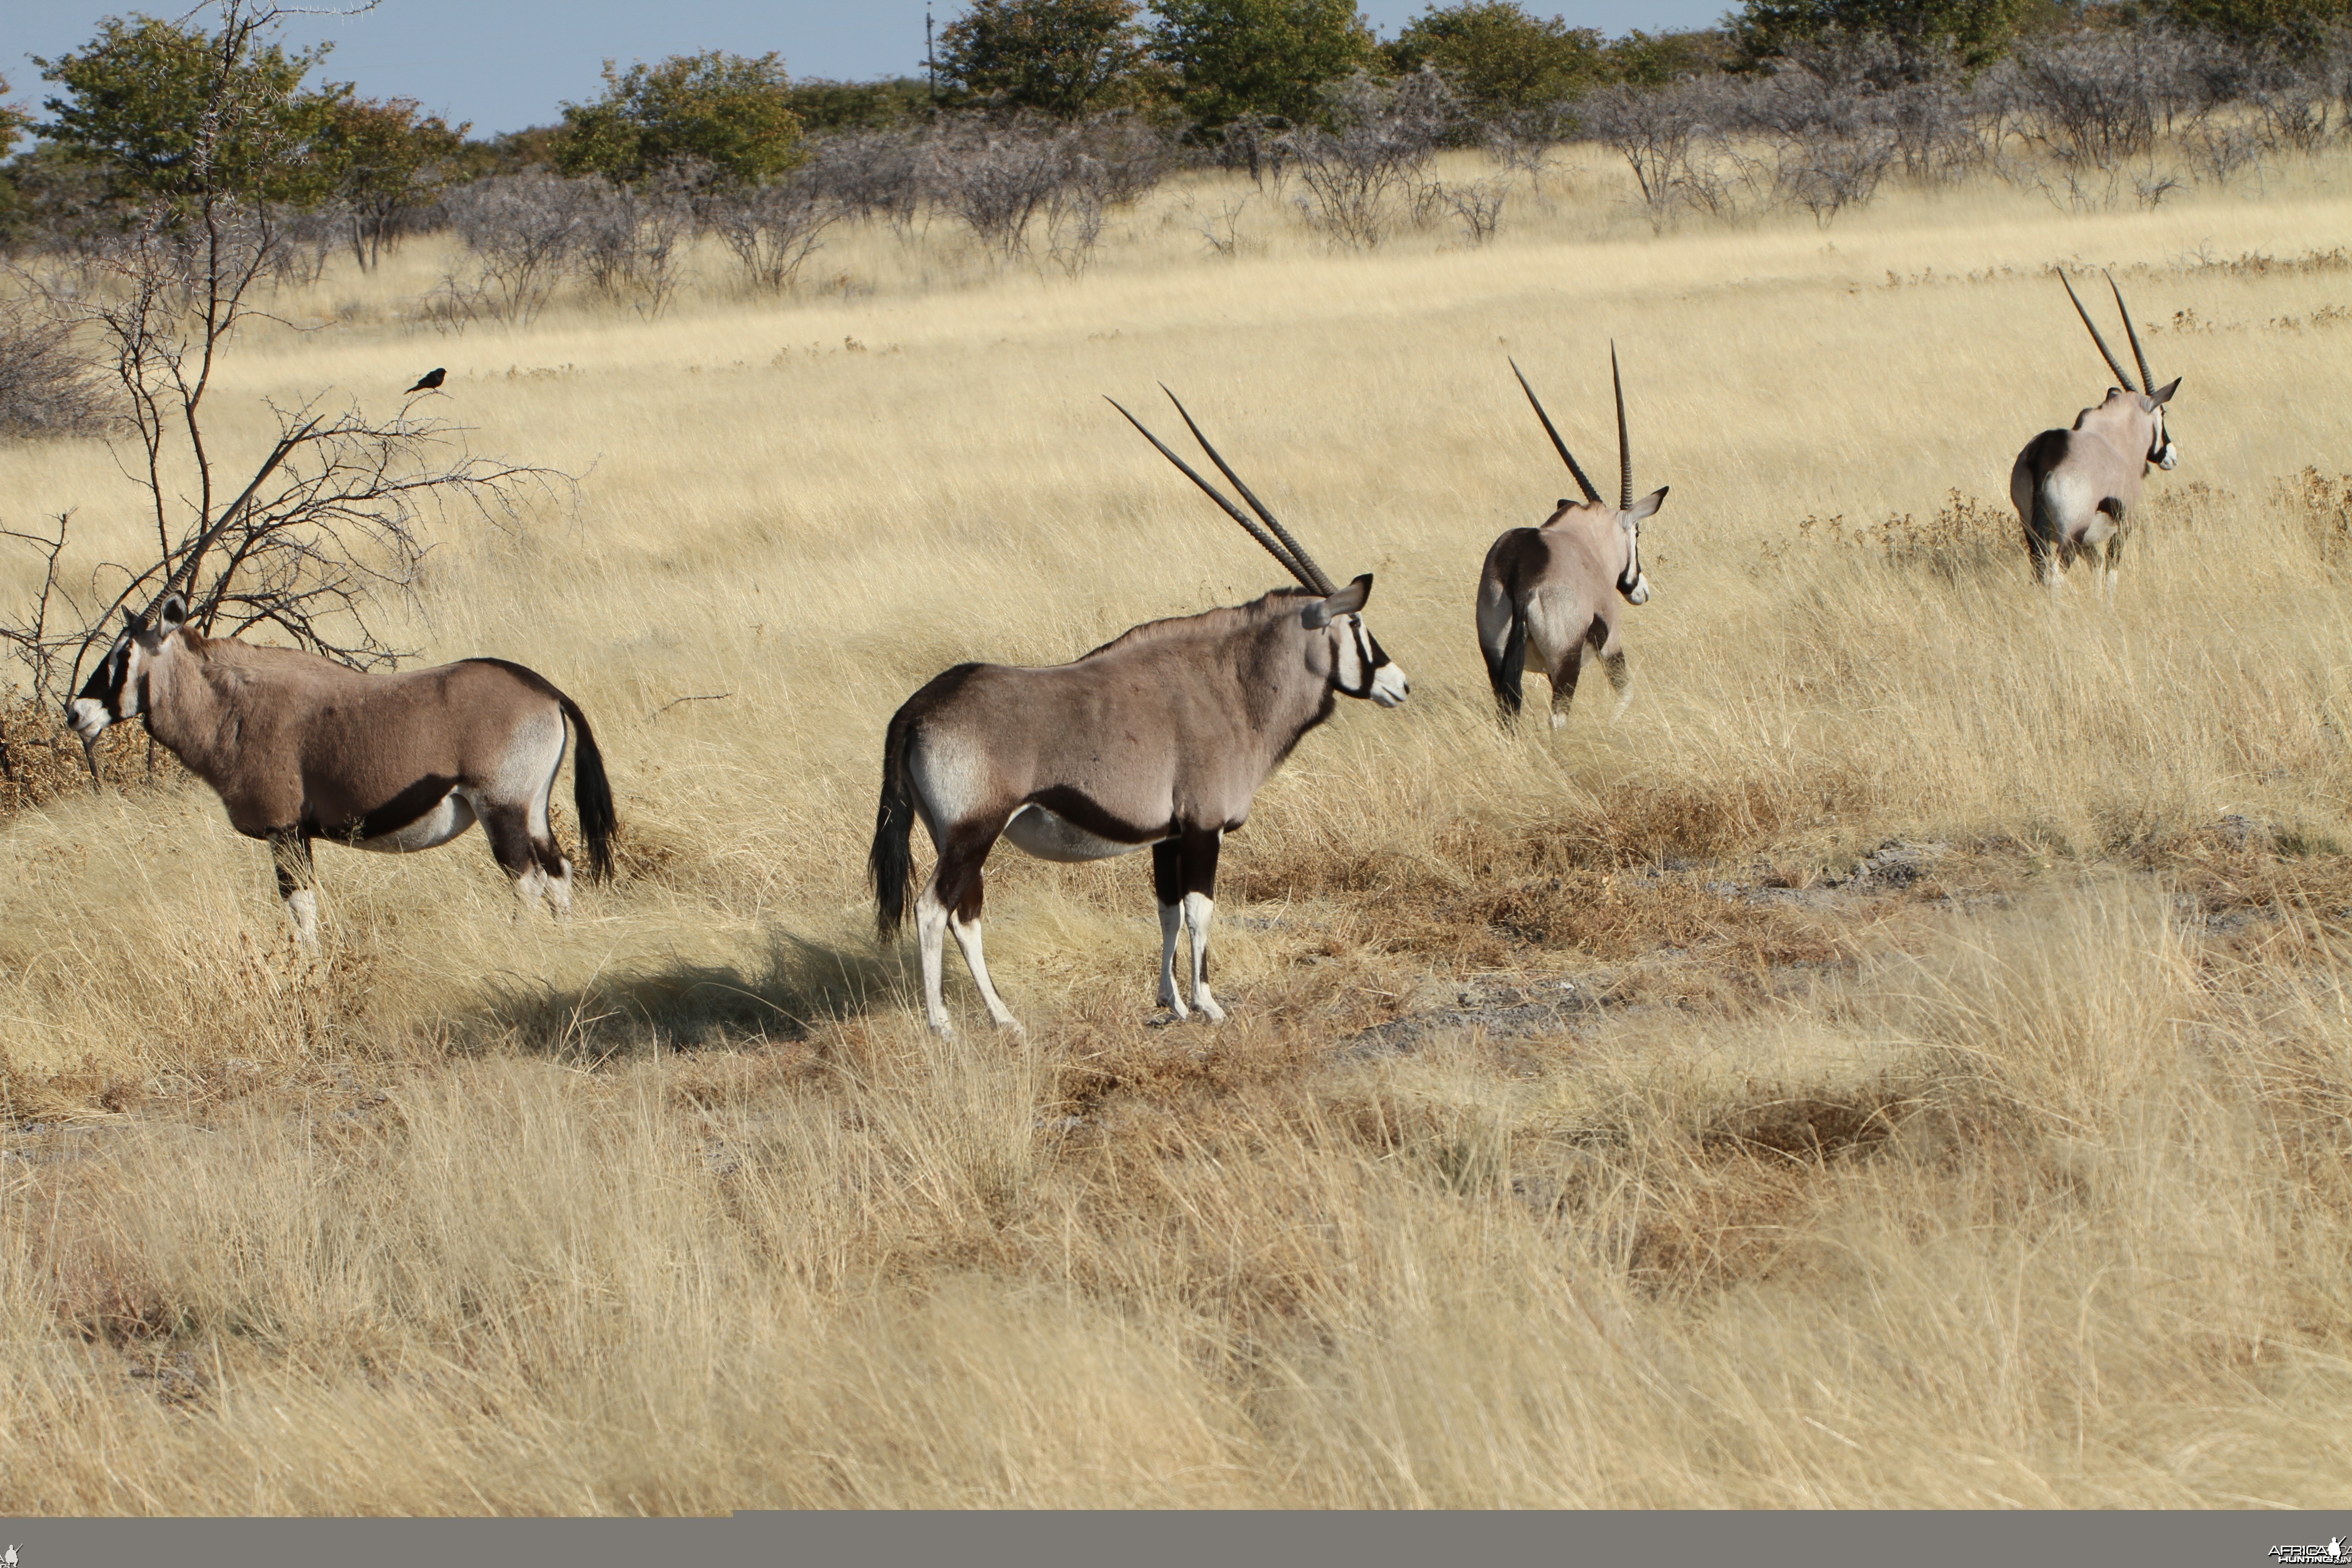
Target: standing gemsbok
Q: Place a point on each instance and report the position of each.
(2074, 490)
(1547, 594)
(298, 747)
(1161, 737)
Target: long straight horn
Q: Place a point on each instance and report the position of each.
(1557, 445)
(1214, 494)
(183, 575)
(1310, 573)
(2146, 376)
(1624, 453)
(2108, 353)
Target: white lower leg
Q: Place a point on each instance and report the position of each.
(1199, 910)
(302, 905)
(930, 938)
(967, 935)
(527, 887)
(1171, 922)
(559, 891)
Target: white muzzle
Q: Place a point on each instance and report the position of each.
(1388, 685)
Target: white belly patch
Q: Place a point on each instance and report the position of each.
(1051, 837)
(436, 827)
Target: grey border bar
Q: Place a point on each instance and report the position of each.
(1180, 1540)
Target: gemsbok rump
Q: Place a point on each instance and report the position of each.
(300, 748)
(2074, 490)
(1162, 737)
(1546, 595)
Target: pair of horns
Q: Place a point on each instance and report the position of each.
(1624, 453)
(1277, 540)
(2147, 378)
(183, 575)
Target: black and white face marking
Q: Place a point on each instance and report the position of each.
(2160, 449)
(1363, 667)
(1631, 580)
(113, 691)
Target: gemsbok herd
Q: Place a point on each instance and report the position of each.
(1162, 737)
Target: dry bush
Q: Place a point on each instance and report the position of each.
(46, 387)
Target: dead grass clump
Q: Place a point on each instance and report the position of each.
(41, 760)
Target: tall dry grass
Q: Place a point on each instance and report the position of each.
(2014, 1180)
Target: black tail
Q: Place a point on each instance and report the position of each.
(1503, 671)
(591, 795)
(889, 862)
(2042, 535)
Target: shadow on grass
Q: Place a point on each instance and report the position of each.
(798, 987)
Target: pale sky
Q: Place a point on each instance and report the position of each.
(506, 64)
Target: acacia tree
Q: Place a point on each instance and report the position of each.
(1499, 59)
(387, 158)
(313, 533)
(1236, 59)
(171, 113)
(730, 114)
(1924, 33)
(1068, 59)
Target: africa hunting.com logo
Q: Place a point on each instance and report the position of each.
(2331, 1552)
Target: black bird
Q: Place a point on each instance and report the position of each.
(430, 381)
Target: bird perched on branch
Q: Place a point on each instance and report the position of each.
(430, 381)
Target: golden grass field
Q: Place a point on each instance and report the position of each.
(1605, 1119)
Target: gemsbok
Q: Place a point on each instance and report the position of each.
(1546, 595)
(2074, 490)
(300, 748)
(1162, 737)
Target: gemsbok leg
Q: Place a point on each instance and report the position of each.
(1621, 682)
(1184, 882)
(290, 852)
(950, 902)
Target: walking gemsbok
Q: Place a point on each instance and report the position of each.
(2074, 490)
(1547, 594)
(298, 747)
(1159, 737)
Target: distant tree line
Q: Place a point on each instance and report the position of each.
(1042, 115)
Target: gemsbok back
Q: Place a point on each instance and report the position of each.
(1161, 737)
(1546, 595)
(2074, 490)
(300, 748)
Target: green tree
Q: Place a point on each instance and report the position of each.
(1066, 57)
(1977, 32)
(1236, 58)
(826, 105)
(731, 112)
(173, 110)
(386, 157)
(1654, 59)
(1498, 57)
(2297, 25)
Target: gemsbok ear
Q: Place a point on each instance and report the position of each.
(171, 615)
(1647, 507)
(2163, 395)
(1346, 602)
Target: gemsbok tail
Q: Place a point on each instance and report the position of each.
(1505, 669)
(591, 794)
(889, 862)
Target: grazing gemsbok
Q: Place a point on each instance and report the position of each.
(1161, 737)
(2074, 490)
(1547, 594)
(298, 747)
